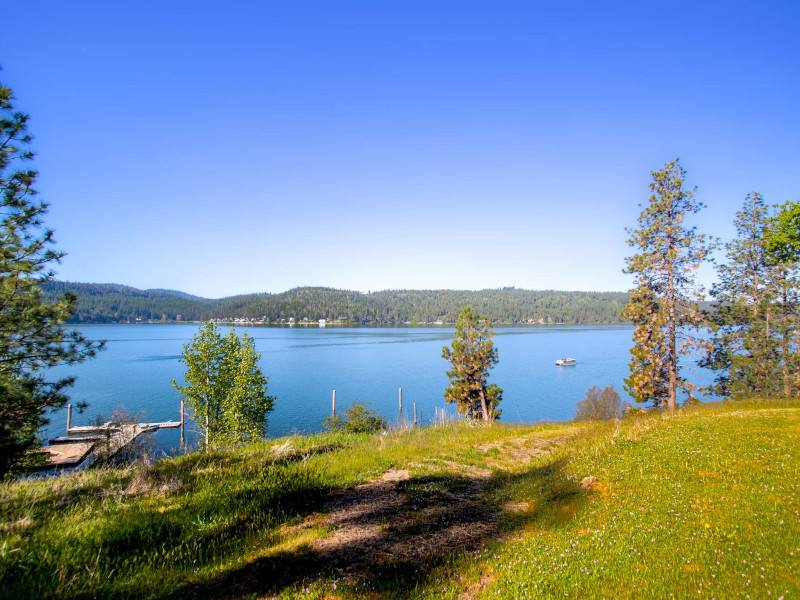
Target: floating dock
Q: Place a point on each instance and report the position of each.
(63, 456)
(70, 451)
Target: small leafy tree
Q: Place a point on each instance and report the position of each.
(472, 355)
(357, 418)
(599, 406)
(225, 387)
(783, 238)
(32, 337)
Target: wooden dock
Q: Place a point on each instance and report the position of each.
(113, 437)
(66, 455)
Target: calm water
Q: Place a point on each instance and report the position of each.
(306, 364)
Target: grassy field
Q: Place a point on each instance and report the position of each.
(703, 503)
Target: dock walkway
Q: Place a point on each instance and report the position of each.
(71, 451)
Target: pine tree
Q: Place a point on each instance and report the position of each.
(472, 356)
(31, 334)
(755, 314)
(225, 387)
(664, 303)
(648, 378)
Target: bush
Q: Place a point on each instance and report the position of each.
(600, 406)
(357, 418)
(142, 449)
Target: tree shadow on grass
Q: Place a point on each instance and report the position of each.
(390, 535)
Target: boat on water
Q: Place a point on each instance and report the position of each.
(565, 362)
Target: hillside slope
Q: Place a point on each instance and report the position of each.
(701, 503)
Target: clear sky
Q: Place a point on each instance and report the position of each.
(248, 146)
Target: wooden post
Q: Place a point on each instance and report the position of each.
(401, 402)
(69, 417)
(183, 435)
(333, 412)
(415, 414)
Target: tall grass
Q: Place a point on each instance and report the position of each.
(149, 530)
(702, 503)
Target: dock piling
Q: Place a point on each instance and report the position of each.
(183, 421)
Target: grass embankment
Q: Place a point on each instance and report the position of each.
(703, 503)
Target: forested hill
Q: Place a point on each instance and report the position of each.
(108, 303)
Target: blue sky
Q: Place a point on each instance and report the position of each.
(226, 148)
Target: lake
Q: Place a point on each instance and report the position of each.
(305, 365)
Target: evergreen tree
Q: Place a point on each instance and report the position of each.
(31, 334)
(755, 316)
(648, 378)
(472, 355)
(225, 387)
(664, 302)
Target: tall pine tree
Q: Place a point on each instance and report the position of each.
(647, 382)
(664, 301)
(31, 334)
(754, 348)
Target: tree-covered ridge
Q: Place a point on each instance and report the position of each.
(110, 303)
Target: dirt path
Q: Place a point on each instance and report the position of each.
(410, 515)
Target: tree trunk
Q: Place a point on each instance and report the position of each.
(206, 425)
(484, 408)
(672, 343)
(785, 349)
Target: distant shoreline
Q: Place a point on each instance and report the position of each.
(305, 307)
(357, 325)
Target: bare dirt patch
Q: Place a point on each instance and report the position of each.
(360, 517)
(376, 524)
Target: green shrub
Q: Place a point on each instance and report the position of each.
(357, 418)
(599, 406)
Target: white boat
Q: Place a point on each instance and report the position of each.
(565, 362)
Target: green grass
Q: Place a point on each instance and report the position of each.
(157, 530)
(703, 504)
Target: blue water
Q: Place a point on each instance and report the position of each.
(305, 365)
